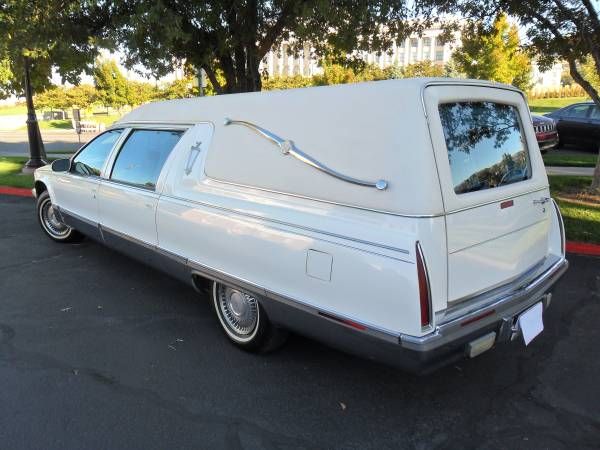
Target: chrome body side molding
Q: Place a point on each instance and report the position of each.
(288, 147)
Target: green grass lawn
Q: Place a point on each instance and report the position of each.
(10, 172)
(106, 120)
(582, 221)
(13, 110)
(567, 158)
(546, 105)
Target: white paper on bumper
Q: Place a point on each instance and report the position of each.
(531, 323)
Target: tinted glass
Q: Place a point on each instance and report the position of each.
(143, 155)
(595, 114)
(485, 145)
(578, 111)
(90, 160)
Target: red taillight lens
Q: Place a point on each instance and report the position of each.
(424, 294)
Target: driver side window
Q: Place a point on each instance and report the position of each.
(90, 160)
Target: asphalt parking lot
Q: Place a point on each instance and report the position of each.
(98, 351)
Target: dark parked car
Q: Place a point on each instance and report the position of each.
(545, 132)
(578, 124)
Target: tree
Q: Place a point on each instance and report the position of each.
(53, 98)
(82, 96)
(38, 37)
(557, 30)
(493, 54)
(111, 85)
(181, 88)
(232, 37)
(423, 69)
(139, 92)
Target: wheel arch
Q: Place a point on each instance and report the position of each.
(40, 187)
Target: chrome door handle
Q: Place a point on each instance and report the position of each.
(288, 147)
(541, 201)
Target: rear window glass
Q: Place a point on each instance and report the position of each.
(486, 148)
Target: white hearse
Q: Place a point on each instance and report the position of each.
(407, 221)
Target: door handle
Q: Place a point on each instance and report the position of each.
(541, 201)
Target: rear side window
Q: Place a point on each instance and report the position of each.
(142, 157)
(486, 148)
(578, 111)
(90, 160)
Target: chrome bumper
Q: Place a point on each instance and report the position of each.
(498, 313)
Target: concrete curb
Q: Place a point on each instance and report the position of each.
(581, 248)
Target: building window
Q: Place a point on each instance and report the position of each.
(414, 46)
(439, 53)
(426, 48)
(286, 60)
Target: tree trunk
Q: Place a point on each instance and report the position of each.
(596, 180)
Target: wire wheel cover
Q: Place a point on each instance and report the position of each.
(238, 309)
(51, 222)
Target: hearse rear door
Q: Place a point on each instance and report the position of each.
(493, 183)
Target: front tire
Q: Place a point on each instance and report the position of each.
(244, 320)
(50, 222)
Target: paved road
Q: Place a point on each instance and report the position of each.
(98, 351)
(15, 143)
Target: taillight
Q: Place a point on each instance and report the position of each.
(424, 288)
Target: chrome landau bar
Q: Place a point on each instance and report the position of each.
(288, 147)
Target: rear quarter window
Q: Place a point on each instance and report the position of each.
(485, 143)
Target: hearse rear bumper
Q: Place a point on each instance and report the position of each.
(448, 342)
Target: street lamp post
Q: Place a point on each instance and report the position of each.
(36, 145)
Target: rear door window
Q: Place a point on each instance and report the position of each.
(485, 144)
(143, 155)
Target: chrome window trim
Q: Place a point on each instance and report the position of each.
(523, 139)
(156, 124)
(114, 155)
(108, 157)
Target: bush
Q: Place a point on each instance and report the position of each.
(571, 90)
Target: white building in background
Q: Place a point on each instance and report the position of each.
(550, 78)
(413, 49)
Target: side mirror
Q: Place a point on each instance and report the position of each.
(61, 165)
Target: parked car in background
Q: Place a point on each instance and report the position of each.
(578, 124)
(545, 132)
(415, 229)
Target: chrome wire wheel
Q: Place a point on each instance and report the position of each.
(238, 312)
(50, 221)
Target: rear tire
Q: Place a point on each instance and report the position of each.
(50, 222)
(244, 320)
